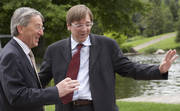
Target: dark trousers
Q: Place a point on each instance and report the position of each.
(70, 107)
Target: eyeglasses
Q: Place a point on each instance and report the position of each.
(38, 27)
(88, 25)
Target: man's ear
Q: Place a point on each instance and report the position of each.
(68, 27)
(19, 28)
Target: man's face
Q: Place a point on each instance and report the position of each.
(80, 29)
(31, 33)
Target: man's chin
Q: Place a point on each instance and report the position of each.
(35, 45)
(82, 39)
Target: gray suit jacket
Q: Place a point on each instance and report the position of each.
(19, 88)
(105, 60)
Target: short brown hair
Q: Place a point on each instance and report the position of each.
(78, 12)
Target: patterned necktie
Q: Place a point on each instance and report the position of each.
(72, 72)
(31, 55)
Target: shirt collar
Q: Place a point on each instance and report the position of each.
(85, 43)
(25, 48)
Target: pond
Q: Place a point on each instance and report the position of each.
(126, 87)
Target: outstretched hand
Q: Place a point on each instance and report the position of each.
(167, 61)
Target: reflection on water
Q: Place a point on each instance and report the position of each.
(126, 87)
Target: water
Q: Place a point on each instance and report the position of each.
(126, 87)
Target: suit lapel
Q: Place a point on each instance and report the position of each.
(66, 50)
(24, 58)
(94, 51)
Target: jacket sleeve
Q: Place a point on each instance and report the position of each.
(125, 67)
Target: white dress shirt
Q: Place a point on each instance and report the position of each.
(83, 75)
(25, 48)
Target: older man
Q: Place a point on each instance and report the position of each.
(20, 86)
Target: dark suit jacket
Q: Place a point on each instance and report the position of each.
(19, 89)
(105, 60)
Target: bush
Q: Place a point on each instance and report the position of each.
(126, 48)
(150, 50)
(120, 38)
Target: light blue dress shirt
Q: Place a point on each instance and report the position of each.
(83, 75)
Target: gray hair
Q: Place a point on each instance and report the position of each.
(21, 17)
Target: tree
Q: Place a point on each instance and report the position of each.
(55, 24)
(174, 7)
(113, 15)
(178, 31)
(154, 20)
(169, 24)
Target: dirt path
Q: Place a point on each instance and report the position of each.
(137, 48)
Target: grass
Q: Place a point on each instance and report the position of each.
(138, 106)
(134, 41)
(146, 106)
(164, 44)
(50, 108)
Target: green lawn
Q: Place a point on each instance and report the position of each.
(138, 106)
(143, 106)
(50, 108)
(134, 41)
(164, 44)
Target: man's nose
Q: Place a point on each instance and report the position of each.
(41, 32)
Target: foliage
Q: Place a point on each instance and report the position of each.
(154, 20)
(120, 38)
(169, 25)
(174, 7)
(151, 50)
(55, 25)
(178, 34)
(178, 30)
(127, 17)
(54, 22)
(160, 17)
(118, 19)
(126, 48)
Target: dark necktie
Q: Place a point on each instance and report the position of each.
(72, 71)
(31, 55)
